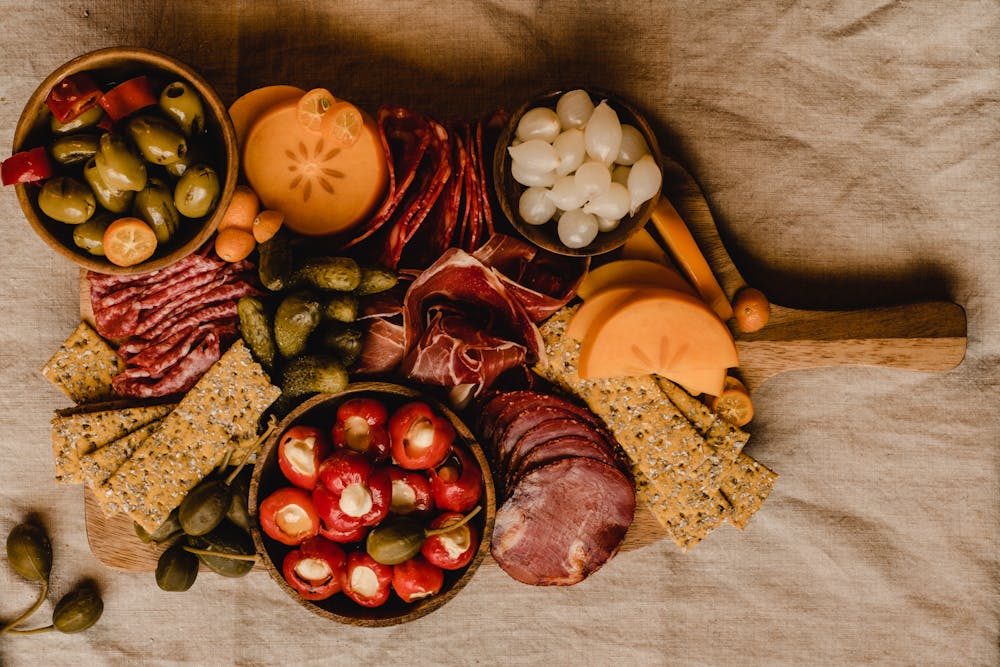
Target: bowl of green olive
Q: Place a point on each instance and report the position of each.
(124, 160)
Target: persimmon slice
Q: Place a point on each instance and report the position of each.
(129, 241)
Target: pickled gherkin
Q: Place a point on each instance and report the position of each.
(297, 317)
(344, 342)
(314, 374)
(275, 264)
(255, 327)
(341, 307)
(375, 279)
(340, 274)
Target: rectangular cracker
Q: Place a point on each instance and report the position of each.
(214, 416)
(728, 440)
(97, 466)
(78, 431)
(746, 483)
(664, 447)
(83, 366)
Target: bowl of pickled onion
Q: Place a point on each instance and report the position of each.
(577, 172)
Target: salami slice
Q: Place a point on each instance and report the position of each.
(139, 383)
(563, 521)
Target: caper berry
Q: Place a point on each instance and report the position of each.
(116, 201)
(155, 204)
(170, 527)
(238, 511)
(204, 507)
(120, 167)
(158, 140)
(182, 104)
(226, 539)
(29, 552)
(67, 200)
(78, 610)
(176, 569)
(394, 541)
(197, 191)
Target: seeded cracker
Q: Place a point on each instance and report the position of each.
(192, 440)
(79, 431)
(83, 366)
(746, 484)
(101, 463)
(665, 449)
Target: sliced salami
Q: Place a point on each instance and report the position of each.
(563, 521)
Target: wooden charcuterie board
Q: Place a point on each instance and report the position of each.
(927, 336)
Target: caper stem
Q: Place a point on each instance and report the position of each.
(23, 617)
(452, 526)
(221, 554)
(271, 425)
(33, 631)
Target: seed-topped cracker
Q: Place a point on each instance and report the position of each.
(78, 431)
(83, 366)
(101, 463)
(214, 416)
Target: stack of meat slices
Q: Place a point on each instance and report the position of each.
(569, 499)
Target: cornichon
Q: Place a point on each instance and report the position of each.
(311, 374)
(340, 274)
(297, 317)
(344, 342)
(255, 327)
(276, 261)
(375, 279)
(341, 307)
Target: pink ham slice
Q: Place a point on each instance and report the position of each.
(563, 521)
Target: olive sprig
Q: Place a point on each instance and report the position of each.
(29, 552)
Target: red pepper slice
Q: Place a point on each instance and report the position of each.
(367, 581)
(457, 484)
(316, 570)
(300, 452)
(419, 438)
(128, 97)
(411, 492)
(355, 534)
(72, 96)
(416, 579)
(361, 426)
(351, 491)
(26, 167)
(453, 549)
(289, 516)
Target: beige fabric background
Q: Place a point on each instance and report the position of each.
(849, 150)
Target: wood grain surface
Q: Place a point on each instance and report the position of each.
(929, 336)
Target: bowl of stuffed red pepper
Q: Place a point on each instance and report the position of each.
(124, 160)
(373, 506)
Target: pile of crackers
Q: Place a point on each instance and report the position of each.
(689, 464)
(143, 458)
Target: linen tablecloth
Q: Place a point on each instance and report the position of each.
(849, 152)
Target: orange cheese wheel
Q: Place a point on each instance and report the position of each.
(597, 308)
(632, 273)
(248, 107)
(698, 380)
(320, 187)
(689, 257)
(657, 331)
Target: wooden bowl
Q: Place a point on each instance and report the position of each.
(114, 65)
(320, 411)
(508, 191)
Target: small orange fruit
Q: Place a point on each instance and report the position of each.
(233, 245)
(266, 224)
(344, 123)
(751, 309)
(242, 209)
(313, 106)
(733, 404)
(129, 241)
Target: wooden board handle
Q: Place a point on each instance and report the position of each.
(928, 336)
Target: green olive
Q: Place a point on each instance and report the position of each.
(78, 610)
(158, 140)
(67, 200)
(170, 527)
(120, 166)
(195, 155)
(182, 104)
(204, 507)
(155, 204)
(116, 201)
(90, 235)
(89, 118)
(395, 540)
(197, 191)
(74, 148)
(176, 569)
(29, 552)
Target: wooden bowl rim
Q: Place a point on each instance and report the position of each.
(536, 233)
(417, 609)
(103, 58)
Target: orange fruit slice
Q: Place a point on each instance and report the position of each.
(129, 241)
(344, 123)
(733, 404)
(751, 309)
(242, 210)
(233, 245)
(313, 106)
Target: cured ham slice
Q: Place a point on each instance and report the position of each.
(555, 449)
(563, 521)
